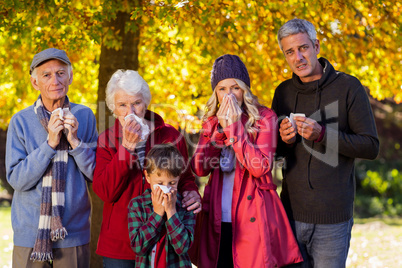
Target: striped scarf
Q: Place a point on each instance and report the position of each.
(53, 185)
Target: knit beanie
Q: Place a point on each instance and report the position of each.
(229, 66)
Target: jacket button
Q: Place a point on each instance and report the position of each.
(213, 143)
(231, 139)
(252, 219)
(249, 197)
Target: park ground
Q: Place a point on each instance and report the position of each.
(376, 243)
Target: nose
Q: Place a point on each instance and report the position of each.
(132, 110)
(55, 80)
(299, 55)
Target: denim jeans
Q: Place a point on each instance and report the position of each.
(117, 263)
(323, 245)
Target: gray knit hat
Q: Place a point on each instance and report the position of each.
(47, 54)
(229, 66)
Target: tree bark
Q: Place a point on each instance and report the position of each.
(110, 61)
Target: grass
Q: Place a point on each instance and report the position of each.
(376, 243)
(6, 237)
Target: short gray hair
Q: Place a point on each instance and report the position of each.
(130, 82)
(296, 26)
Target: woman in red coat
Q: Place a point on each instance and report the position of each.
(118, 175)
(243, 222)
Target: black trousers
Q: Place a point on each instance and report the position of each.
(225, 247)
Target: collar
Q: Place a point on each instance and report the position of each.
(328, 76)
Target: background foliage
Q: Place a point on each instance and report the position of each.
(180, 39)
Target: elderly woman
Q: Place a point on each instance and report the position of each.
(121, 150)
(243, 222)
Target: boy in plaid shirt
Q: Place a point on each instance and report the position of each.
(161, 231)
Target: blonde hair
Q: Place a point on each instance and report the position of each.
(250, 107)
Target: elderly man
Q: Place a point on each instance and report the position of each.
(50, 156)
(330, 124)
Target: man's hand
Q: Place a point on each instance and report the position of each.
(287, 132)
(308, 128)
(71, 124)
(55, 128)
(192, 201)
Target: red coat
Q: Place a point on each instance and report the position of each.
(262, 236)
(118, 179)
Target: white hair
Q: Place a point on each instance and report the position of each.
(130, 82)
(69, 70)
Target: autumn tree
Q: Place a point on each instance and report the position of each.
(174, 43)
(178, 41)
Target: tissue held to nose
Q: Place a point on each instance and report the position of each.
(164, 188)
(144, 127)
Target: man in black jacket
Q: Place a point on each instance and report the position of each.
(334, 126)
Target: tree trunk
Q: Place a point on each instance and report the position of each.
(110, 61)
(3, 180)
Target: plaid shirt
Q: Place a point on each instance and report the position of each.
(145, 227)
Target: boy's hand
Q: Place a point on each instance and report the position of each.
(170, 203)
(157, 196)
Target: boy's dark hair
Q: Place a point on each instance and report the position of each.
(164, 158)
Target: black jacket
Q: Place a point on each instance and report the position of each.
(319, 183)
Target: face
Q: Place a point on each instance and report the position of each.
(126, 104)
(301, 55)
(162, 178)
(228, 86)
(52, 81)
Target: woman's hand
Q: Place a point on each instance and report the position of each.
(131, 134)
(234, 110)
(169, 200)
(192, 201)
(223, 111)
(229, 111)
(157, 197)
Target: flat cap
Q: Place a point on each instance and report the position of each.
(48, 54)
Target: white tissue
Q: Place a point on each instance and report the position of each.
(144, 127)
(292, 120)
(226, 95)
(62, 112)
(164, 189)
